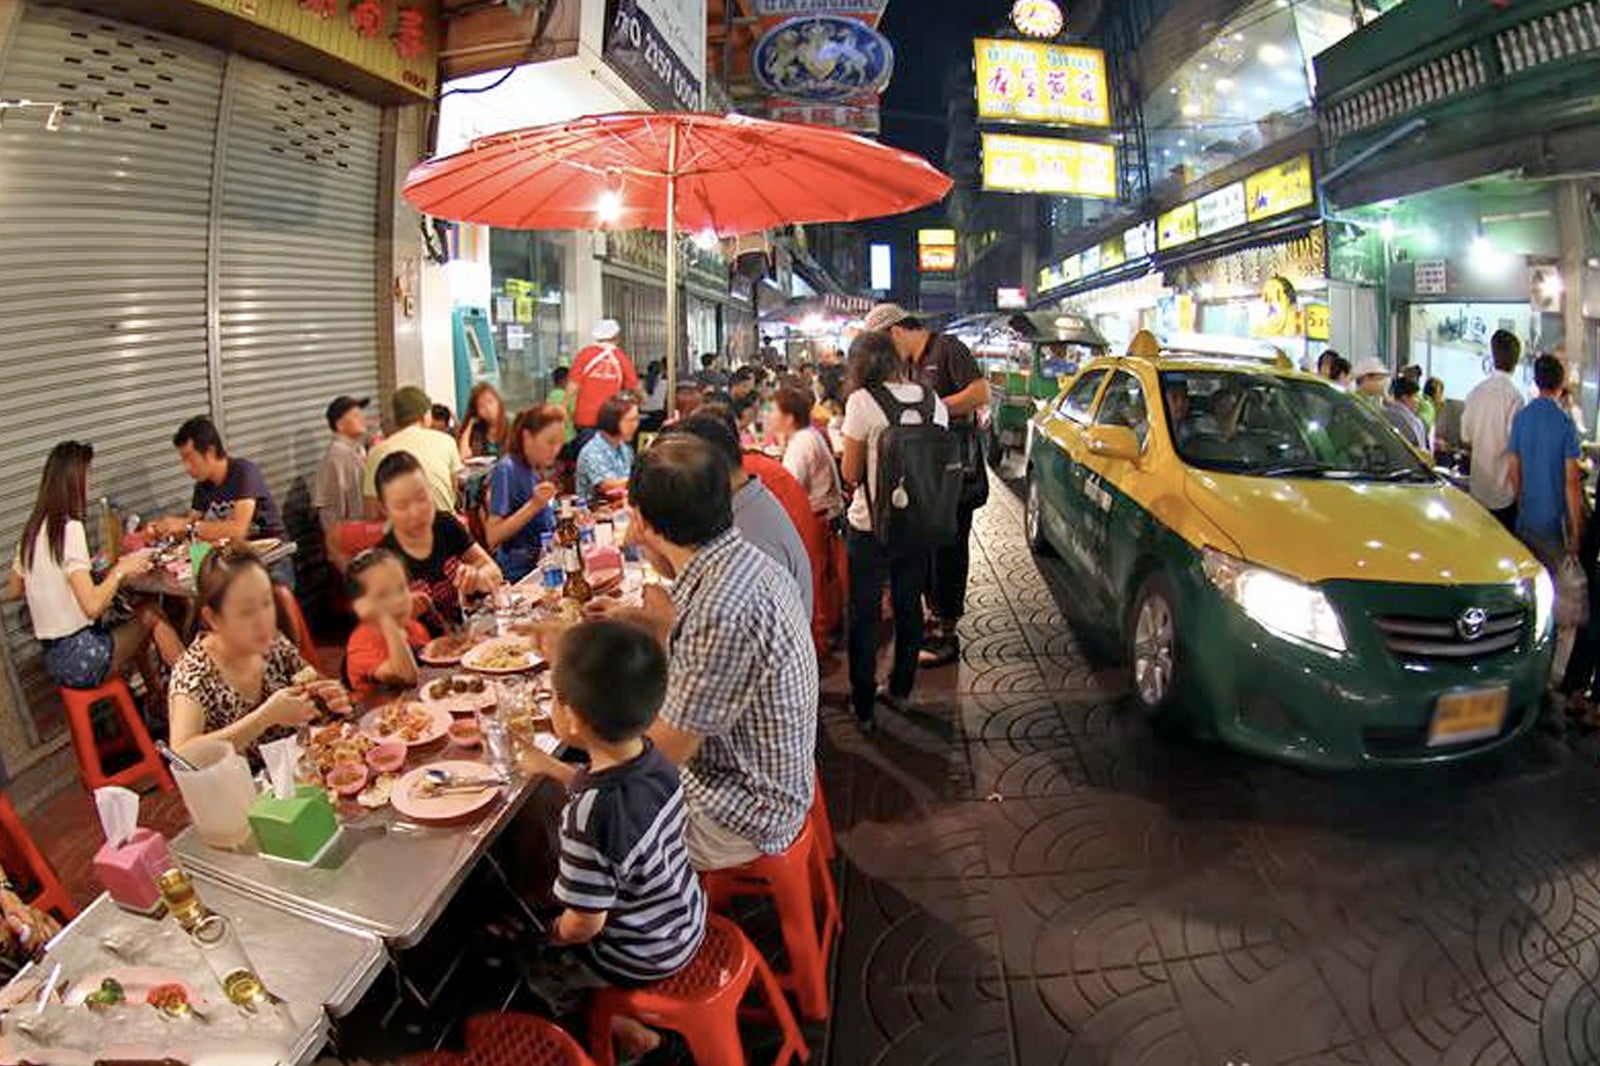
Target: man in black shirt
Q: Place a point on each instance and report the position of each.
(946, 366)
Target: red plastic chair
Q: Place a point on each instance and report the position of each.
(356, 537)
(28, 869)
(521, 1040)
(701, 1003)
(788, 879)
(826, 850)
(91, 752)
(292, 620)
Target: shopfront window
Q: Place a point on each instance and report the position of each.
(1247, 88)
(529, 314)
(1450, 341)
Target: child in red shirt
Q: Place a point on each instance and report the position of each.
(381, 653)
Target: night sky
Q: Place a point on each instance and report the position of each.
(929, 37)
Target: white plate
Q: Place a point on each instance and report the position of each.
(474, 659)
(461, 702)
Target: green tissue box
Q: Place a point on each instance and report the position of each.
(294, 829)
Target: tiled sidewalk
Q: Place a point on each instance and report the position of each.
(1032, 878)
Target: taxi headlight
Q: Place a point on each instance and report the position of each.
(1275, 602)
(1544, 604)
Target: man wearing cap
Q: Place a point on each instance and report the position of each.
(437, 452)
(945, 365)
(337, 492)
(599, 372)
(1372, 382)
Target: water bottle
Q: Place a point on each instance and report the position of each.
(554, 574)
(620, 524)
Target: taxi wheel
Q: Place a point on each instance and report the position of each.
(1033, 518)
(1154, 655)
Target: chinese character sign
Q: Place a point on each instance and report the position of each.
(1023, 81)
(1049, 165)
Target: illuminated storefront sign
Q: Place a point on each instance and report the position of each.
(936, 236)
(936, 259)
(1140, 241)
(1221, 210)
(1037, 18)
(1011, 299)
(1279, 189)
(1049, 165)
(1178, 226)
(1047, 84)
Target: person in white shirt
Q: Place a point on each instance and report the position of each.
(54, 570)
(875, 362)
(807, 452)
(1486, 429)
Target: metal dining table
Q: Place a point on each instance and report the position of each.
(161, 581)
(316, 966)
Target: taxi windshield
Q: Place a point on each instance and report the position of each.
(1266, 425)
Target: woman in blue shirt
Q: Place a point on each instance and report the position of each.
(520, 490)
(607, 460)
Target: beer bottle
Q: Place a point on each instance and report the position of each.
(182, 901)
(577, 586)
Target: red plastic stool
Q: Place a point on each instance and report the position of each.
(80, 704)
(822, 823)
(823, 853)
(701, 1003)
(292, 620)
(28, 869)
(787, 879)
(521, 1040)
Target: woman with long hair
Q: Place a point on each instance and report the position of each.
(241, 679)
(484, 426)
(54, 570)
(876, 370)
(653, 402)
(521, 487)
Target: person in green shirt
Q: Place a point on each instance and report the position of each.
(1372, 382)
(557, 397)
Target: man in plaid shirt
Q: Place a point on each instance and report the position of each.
(740, 716)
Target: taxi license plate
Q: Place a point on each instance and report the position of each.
(1465, 716)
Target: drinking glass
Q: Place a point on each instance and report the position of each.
(224, 953)
(496, 740)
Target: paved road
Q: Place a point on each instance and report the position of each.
(1032, 878)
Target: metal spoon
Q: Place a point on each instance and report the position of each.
(442, 779)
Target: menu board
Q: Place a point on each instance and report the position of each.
(1221, 210)
(1275, 190)
(1049, 165)
(1045, 84)
(1178, 226)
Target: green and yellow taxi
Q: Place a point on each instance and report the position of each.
(1283, 571)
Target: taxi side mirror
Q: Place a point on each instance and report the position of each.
(1112, 442)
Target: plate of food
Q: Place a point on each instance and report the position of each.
(419, 798)
(446, 650)
(502, 657)
(460, 693)
(338, 743)
(413, 724)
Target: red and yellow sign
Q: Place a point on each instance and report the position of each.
(1046, 84)
(396, 41)
(1049, 165)
(936, 258)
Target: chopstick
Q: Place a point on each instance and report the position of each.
(48, 989)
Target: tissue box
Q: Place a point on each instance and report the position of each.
(294, 829)
(129, 872)
(602, 561)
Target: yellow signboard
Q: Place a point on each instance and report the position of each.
(1049, 165)
(1278, 189)
(936, 259)
(1046, 84)
(1178, 226)
(396, 43)
(945, 238)
(1316, 322)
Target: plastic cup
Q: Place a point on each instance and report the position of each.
(218, 793)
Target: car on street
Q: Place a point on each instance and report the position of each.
(1281, 570)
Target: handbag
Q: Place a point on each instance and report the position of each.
(974, 471)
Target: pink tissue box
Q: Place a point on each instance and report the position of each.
(602, 561)
(129, 872)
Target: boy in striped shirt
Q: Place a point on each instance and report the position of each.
(632, 901)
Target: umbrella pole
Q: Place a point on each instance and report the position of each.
(672, 266)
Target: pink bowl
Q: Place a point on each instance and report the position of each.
(348, 778)
(465, 733)
(387, 757)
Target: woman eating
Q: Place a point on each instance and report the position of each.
(444, 564)
(484, 429)
(807, 454)
(239, 680)
(54, 570)
(607, 460)
(521, 487)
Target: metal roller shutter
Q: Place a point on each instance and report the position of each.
(297, 272)
(102, 267)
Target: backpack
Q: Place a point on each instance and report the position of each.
(919, 478)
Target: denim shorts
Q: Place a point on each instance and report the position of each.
(82, 660)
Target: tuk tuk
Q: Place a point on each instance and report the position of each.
(1025, 358)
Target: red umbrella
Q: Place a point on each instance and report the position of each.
(675, 172)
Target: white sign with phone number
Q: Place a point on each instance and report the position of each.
(659, 47)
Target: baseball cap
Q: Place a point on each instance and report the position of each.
(341, 406)
(883, 316)
(607, 329)
(1369, 366)
(410, 404)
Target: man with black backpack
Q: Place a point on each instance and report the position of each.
(904, 465)
(945, 365)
